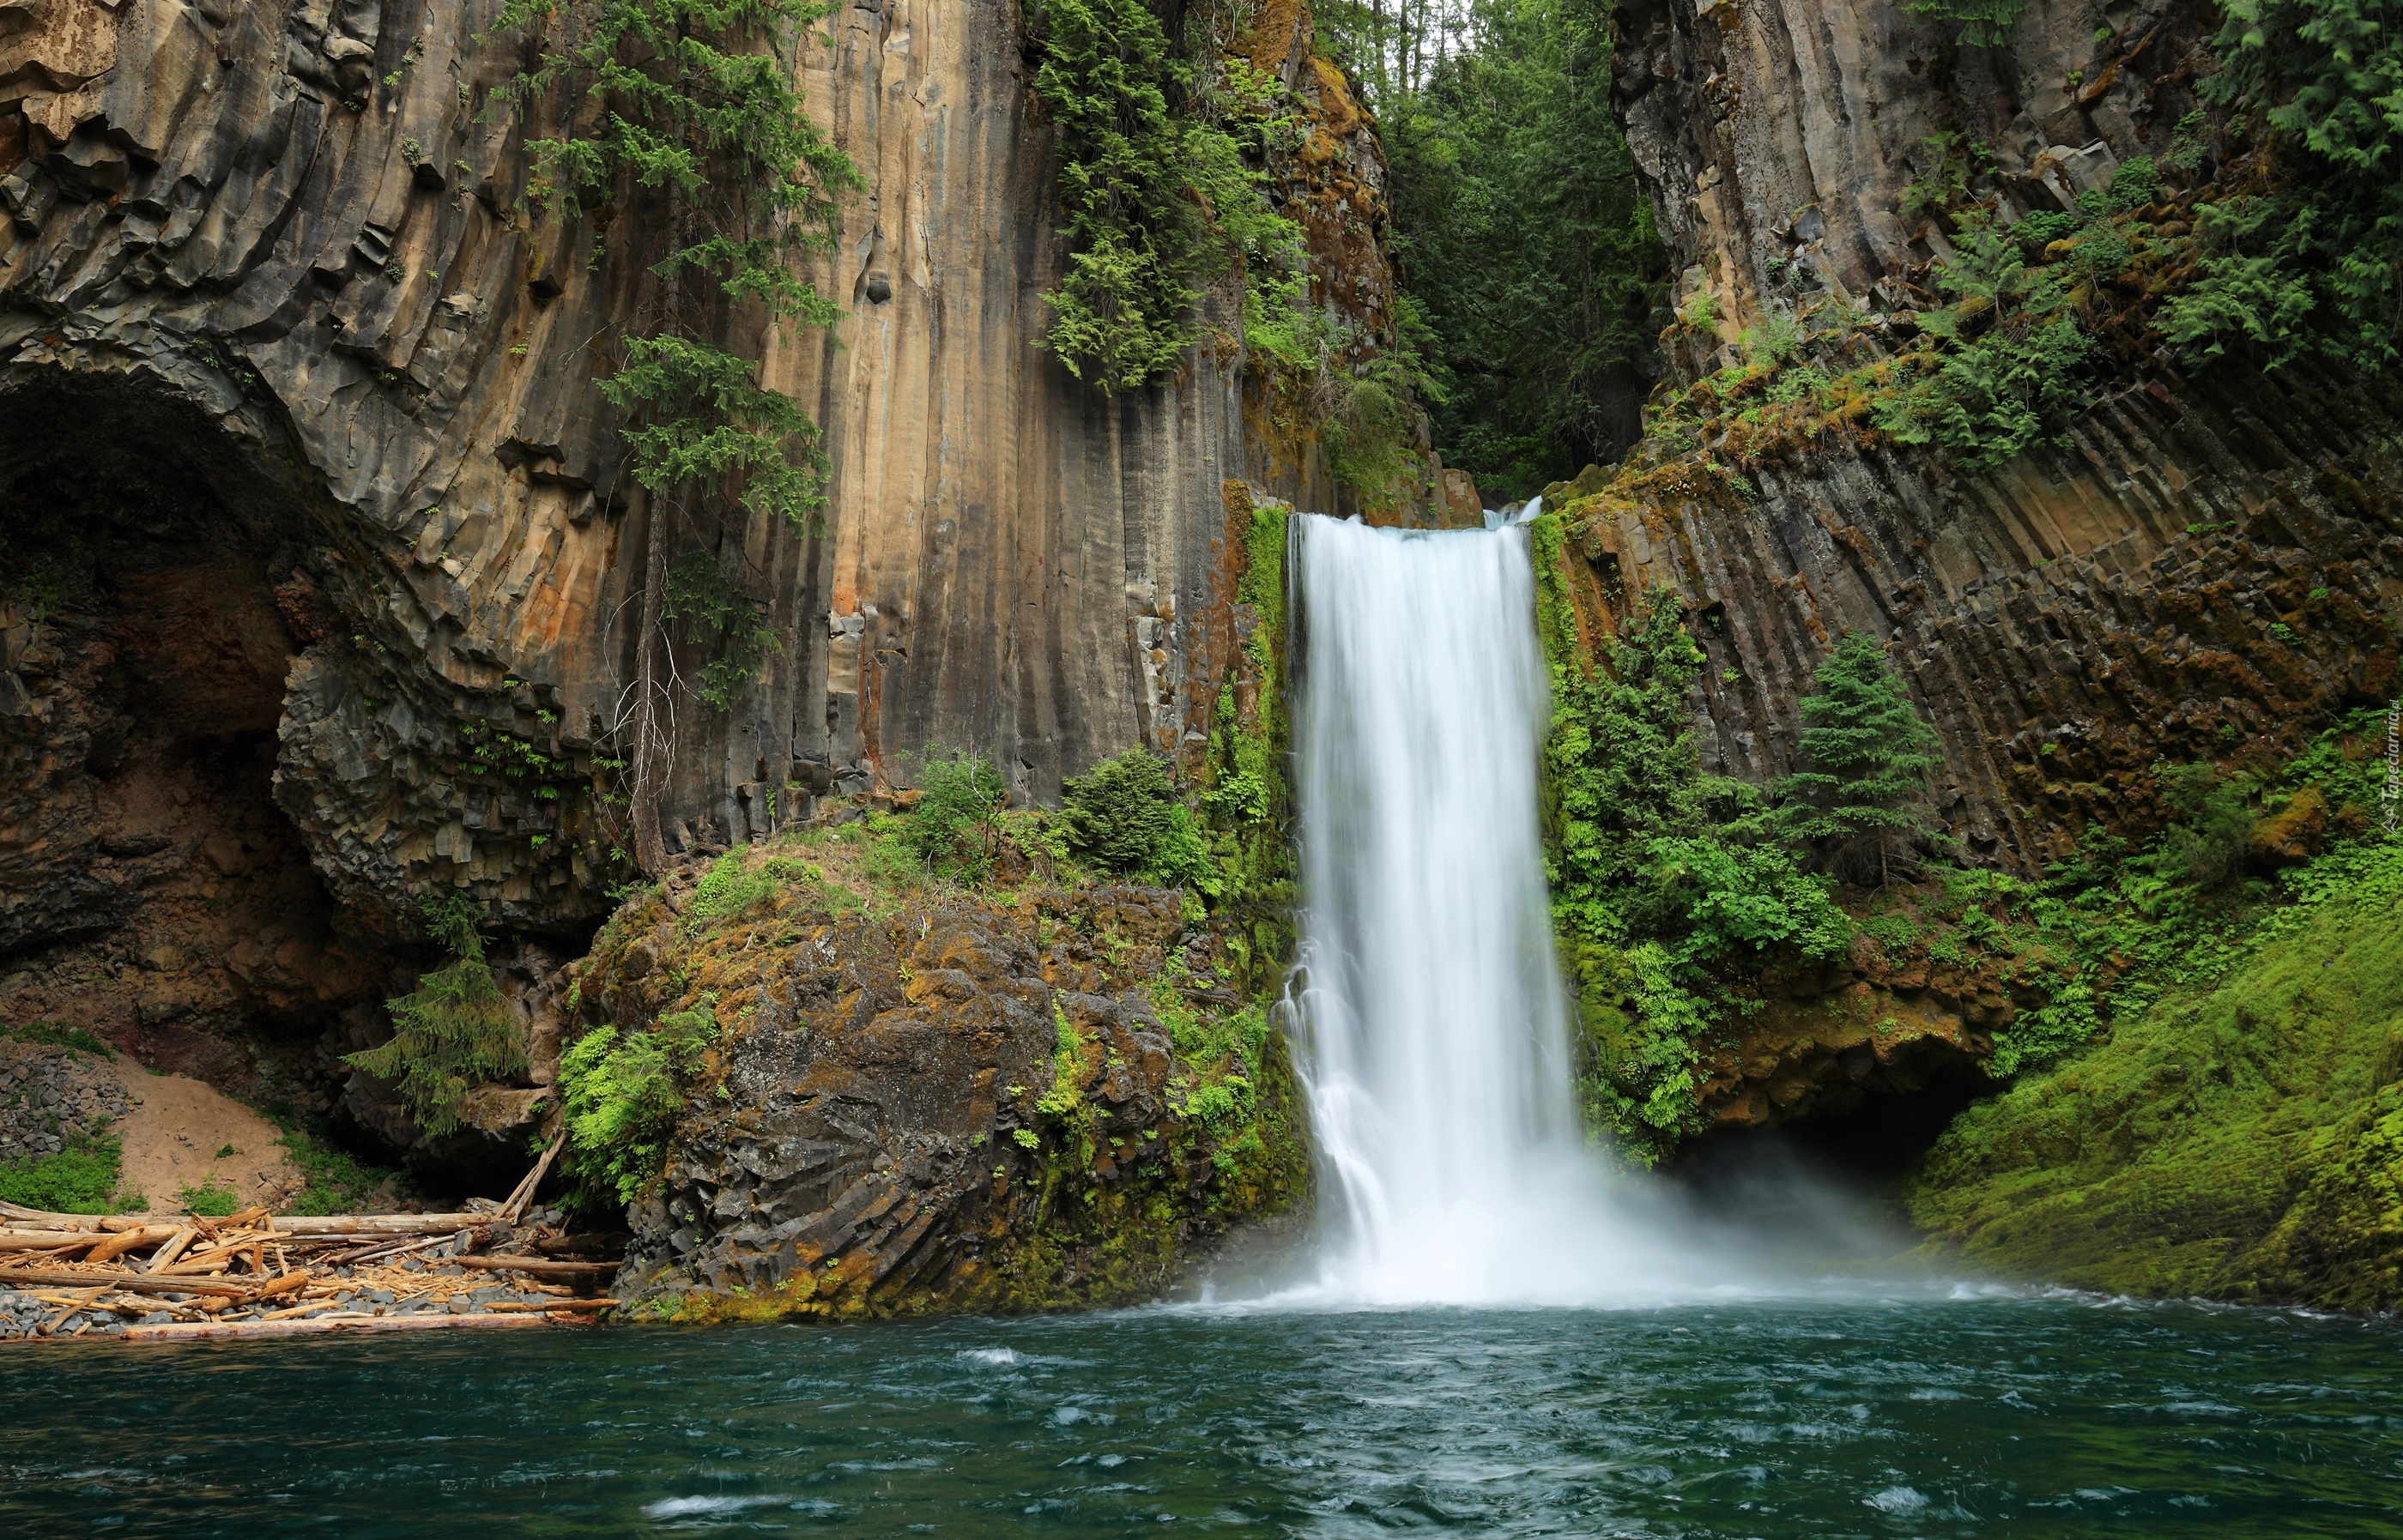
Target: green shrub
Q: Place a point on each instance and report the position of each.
(731, 886)
(1159, 195)
(2135, 183)
(1117, 812)
(621, 1102)
(210, 1199)
(1730, 896)
(82, 1178)
(951, 827)
(455, 1031)
(58, 1034)
(2008, 353)
(2208, 844)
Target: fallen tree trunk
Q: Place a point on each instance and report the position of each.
(537, 1267)
(22, 1220)
(217, 1329)
(51, 1239)
(119, 1278)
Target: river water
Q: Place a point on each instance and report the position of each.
(1911, 1414)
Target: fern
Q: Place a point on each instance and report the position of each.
(1984, 24)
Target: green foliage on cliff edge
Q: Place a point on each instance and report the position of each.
(1154, 182)
(1246, 800)
(2242, 1140)
(689, 107)
(2312, 261)
(1657, 893)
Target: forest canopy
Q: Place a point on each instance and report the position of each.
(1521, 231)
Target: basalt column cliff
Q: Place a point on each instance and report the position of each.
(324, 557)
(286, 255)
(2201, 557)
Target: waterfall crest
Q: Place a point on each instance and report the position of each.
(1432, 1021)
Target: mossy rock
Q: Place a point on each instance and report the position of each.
(2244, 1142)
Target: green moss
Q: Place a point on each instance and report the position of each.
(2236, 1139)
(1247, 801)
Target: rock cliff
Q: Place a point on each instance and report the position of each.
(2200, 566)
(1032, 1097)
(299, 444)
(280, 259)
(2205, 562)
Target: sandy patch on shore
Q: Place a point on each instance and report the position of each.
(179, 1133)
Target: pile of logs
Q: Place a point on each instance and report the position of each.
(252, 1274)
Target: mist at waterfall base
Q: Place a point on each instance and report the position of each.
(1430, 1017)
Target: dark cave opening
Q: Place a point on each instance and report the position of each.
(1861, 1148)
(152, 893)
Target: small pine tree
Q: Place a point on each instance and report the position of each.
(455, 1031)
(1859, 804)
(1117, 812)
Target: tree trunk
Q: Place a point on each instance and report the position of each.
(651, 745)
(650, 748)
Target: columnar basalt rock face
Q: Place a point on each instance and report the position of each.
(304, 227)
(2202, 574)
(2203, 567)
(278, 250)
(1778, 136)
(970, 1102)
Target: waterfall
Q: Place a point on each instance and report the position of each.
(1432, 1022)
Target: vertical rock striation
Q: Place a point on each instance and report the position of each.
(2199, 568)
(280, 251)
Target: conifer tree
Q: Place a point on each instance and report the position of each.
(1859, 801)
(453, 1032)
(690, 109)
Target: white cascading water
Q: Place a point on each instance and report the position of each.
(1429, 1009)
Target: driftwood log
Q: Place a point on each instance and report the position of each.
(23, 1220)
(219, 1329)
(537, 1267)
(120, 1278)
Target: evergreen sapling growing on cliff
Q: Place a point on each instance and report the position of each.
(690, 109)
(1859, 805)
(1124, 816)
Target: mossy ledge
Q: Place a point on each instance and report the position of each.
(932, 1099)
(2242, 1141)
